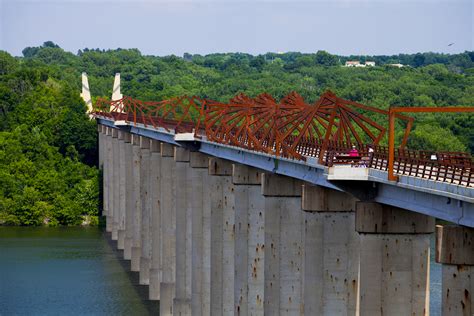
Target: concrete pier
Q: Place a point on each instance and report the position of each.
(105, 167)
(201, 233)
(182, 300)
(284, 245)
(155, 194)
(331, 252)
(145, 195)
(124, 139)
(115, 203)
(455, 251)
(249, 241)
(222, 236)
(168, 229)
(129, 198)
(394, 260)
(137, 213)
(100, 149)
(108, 190)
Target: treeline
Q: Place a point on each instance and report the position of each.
(47, 143)
(458, 63)
(47, 147)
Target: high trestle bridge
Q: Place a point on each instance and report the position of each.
(255, 206)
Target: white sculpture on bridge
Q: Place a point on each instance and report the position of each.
(86, 94)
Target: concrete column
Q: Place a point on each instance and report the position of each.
(284, 245)
(455, 251)
(155, 182)
(394, 260)
(145, 196)
(182, 301)
(124, 139)
(101, 144)
(100, 139)
(222, 236)
(249, 241)
(105, 179)
(129, 197)
(137, 207)
(108, 166)
(331, 252)
(201, 233)
(115, 204)
(168, 229)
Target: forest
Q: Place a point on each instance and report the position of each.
(48, 145)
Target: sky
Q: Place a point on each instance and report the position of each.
(164, 27)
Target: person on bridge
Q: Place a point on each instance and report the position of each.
(371, 151)
(354, 152)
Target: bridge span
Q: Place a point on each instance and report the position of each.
(253, 221)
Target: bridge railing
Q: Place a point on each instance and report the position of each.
(451, 167)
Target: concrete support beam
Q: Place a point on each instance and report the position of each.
(168, 229)
(129, 198)
(115, 204)
(137, 205)
(201, 235)
(105, 173)
(100, 136)
(101, 144)
(108, 167)
(124, 139)
(246, 181)
(145, 197)
(331, 252)
(222, 236)
(249, 241)
(320, 199)
(376, 218)
(155, 183)
(182, 300)
(284, 245)
(455, 251)
(394, 260)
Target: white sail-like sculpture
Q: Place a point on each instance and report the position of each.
(116, 95)
(86, 93)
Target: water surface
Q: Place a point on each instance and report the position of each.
(64, 271)
(76, 271)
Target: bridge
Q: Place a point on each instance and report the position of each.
(255, 206)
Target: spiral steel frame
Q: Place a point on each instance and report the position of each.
(284, 129)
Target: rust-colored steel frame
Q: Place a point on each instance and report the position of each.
(262, 124)
(292, 128)
(393, 111)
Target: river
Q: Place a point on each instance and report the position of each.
(66, 271)
(76, 271)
